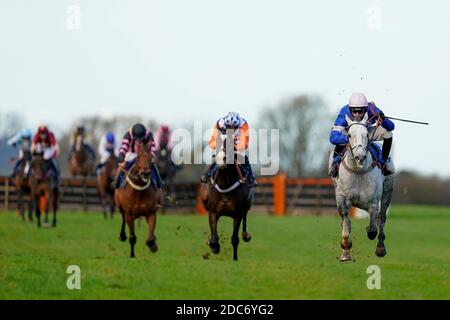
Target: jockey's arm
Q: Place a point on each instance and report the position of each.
(242, 140)
(338, 134)
(213, 140)
(56, 150)
(124, 146)
(14, 140)
(385, 122)
(150, 140)
(102, 145)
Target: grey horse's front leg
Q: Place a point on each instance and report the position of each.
(346, 244)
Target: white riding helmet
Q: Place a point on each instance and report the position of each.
(358, 100)
(232, 119)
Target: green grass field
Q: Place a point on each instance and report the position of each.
(288, 258)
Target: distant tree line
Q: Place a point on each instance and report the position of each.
(413, 188)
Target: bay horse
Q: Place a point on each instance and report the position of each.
(361, 184)
(105, 177)
(139, 198)
(42, 183)
(22, 186)
(80, 162)
(227, 194)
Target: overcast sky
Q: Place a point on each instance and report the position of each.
(177, 61)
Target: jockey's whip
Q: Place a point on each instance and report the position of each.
(410, 121)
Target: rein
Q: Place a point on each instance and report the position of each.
(129, 176)
(234, 185)
(366, 148)
(360, 173)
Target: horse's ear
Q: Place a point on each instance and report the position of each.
(349, 121)
(364, 120)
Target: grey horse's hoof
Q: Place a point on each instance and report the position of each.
(380, 252)
(345, 256)
(371, 232)
(246, 236)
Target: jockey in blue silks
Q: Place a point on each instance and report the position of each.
(106, 149)
(380, 129)
(22, 140)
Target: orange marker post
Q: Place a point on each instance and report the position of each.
(279, 194)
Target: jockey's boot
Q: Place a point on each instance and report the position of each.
(207, 174)
(116, 182)
(250, 176)
(334, 168)
(55, 171)
(69, 155)
(16, 169)
(97, 168)
(159, 181)
(90, 150)
(388, 167)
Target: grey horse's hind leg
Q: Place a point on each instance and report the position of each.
(388, 188)
(372, 229)
(346, 243)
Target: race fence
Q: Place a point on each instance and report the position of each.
(278, 195)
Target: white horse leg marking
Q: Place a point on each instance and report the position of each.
(346, 244)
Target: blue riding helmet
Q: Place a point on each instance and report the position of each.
(26, 134)
(110, 137)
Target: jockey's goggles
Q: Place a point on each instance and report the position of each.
(358, 110)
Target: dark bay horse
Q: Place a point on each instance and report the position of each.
(105, 177)
(167, 170)
(43, 184)
(139, 198)
(21, 183)
(227, 194)
(80, 162)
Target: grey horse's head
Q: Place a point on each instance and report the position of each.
(358, 137)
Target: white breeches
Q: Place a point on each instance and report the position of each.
(379, 133)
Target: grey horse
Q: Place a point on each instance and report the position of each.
(361, 184)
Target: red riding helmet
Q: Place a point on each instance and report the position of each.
(42, 129)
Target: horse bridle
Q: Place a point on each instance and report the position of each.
(139, 176)
(46, 173)
(366, 148)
